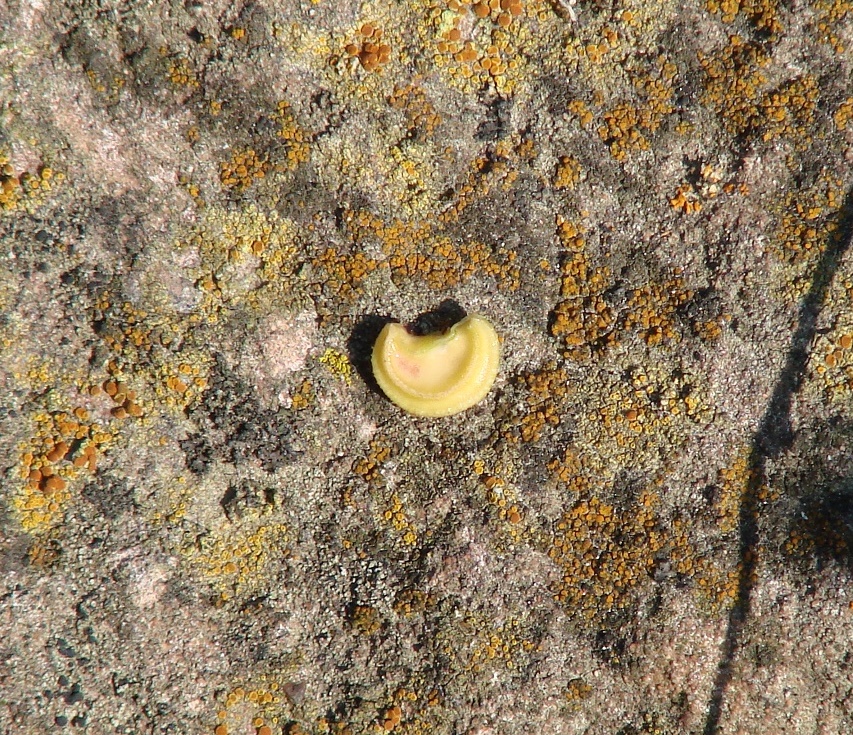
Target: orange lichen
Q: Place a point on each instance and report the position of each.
(653, 309)
(582, 319)
(686, 199)
(296, 139)
(628, 126)
(370, 51)
(180, 71)
(605, 556)
(735, 88)
(832, 16)
(568, 173)
(65, 446)
(243, 169)
(762, 14)
(20, 190)
(422, 119)
(844, 114)
(545, 393)
(808, 220)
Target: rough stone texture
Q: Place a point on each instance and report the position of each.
(212, 521)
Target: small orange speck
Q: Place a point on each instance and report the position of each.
(221, 729)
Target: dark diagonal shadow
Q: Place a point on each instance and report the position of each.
(774, 435)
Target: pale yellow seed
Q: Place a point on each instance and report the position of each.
(437, 374)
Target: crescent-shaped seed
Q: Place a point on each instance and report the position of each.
(437, 374)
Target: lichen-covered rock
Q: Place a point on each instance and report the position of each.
(211, 520)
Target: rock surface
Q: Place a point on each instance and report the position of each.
(213, 522)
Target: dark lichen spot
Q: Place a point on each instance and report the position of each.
(233, 427)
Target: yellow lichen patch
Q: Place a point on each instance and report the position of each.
(832, 15)
(332, 727)
(365, 619)
(344, 273)
(715, 581)
(762, 14)
(689, 195)
(507, 645)
(831, 364)
(390, 718)
(686, 199)
(571, 471)
(412, 602)
(106, 85)
(303, 396)
(576, 691)
(605, 556)
(125, 399)
(242, 169)
(844, 114)
(65, 446)
(142, 339)
(579, 109)
(396, 516)
(420, 250)
(481, 43)
(24, 189)
(583, 319)
(568, 173)
(180, 71)
(437, 374)
(506, 507)
(235, 558)
(735, 484)
(421, 116)
(229, 243)
(648, 403)
(808, 220)
(253, 707)
(628, 126)
(297, 141)
(734, 82)
(338, 364)
(789, 110)
(369, 467)
(489, 173)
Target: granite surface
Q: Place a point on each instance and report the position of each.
(212, 522)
